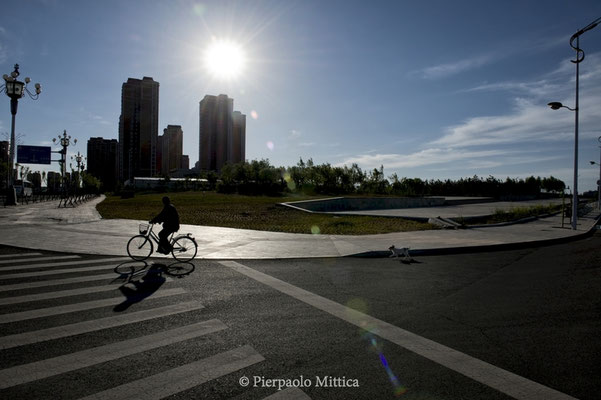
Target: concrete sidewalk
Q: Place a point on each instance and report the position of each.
(81, 230)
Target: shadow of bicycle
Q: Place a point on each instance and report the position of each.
(179, 269)
(142, 280)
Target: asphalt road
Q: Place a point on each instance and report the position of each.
(532, 312)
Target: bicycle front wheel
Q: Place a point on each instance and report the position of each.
(139, 247)
(184, 248)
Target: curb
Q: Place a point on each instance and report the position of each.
(485, 248)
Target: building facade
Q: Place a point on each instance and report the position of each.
(103, 161)
(220, 133)
(172, 146)
(138, 128)
(238, 147)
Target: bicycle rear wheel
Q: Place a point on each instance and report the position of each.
(139, 247)
(184, 248)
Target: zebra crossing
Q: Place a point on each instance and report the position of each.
(29, 280)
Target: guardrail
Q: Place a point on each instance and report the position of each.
(34, 198)
(65, 200)
(73, 200)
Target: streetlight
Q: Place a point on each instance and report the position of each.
(599, 181)
(79, 158)
(64, 141)
(556, 106)
(15, 89)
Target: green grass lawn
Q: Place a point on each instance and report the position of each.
(251, 212)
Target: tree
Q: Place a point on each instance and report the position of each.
(552, 184)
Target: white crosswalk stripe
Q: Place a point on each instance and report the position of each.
(289, 394)
(60, 264)
(57, 272)
(81, 359)
(165, 383)
(57, 282)
(87, 305)
(62, 293)
(42, 335)
(185, 377)
(16, 255)
(24, 260)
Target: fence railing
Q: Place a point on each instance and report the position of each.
(75, 199)
(65, 200)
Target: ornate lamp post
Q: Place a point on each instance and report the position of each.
(64, 141)
(15, 89)
(556, 106)
(80, 166)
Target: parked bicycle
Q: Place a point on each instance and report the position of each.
(140, 247)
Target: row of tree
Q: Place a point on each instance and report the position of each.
(260, 177)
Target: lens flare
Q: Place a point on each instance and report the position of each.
(289, 182)
(398, 388)
(270, 145)
(358, 310)
(199, 9)
(315, 230)
(254, 114)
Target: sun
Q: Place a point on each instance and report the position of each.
(225, 59)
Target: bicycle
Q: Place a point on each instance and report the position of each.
(140, 247)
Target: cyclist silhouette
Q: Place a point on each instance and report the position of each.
(170, 219)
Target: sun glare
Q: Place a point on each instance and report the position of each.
(224, 59)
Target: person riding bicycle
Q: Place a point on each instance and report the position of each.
(170, 219)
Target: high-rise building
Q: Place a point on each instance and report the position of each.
(238, 147)
(172, 143)
(103, 156)
(185, 162)
(138, 128)
(222, 133)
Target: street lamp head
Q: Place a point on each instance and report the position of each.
(592, 162)
(555, 105)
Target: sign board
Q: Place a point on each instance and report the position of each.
(33, 154)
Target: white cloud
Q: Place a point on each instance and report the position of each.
(430, 156)
(453, 68)
(530, 134)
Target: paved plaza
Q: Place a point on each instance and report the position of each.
(44, 226)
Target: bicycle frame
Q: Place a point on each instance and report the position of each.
(154, 236)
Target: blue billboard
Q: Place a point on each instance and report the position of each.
(33, 154)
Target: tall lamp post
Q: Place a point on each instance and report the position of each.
(556, 106)
(64, 141)
(15, 89)
(80, 166)
(599, 181)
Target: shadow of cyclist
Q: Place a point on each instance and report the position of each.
(137, 290)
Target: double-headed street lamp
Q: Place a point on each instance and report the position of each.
(556, 106)
(15, 89)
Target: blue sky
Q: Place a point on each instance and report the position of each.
(429, 89)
